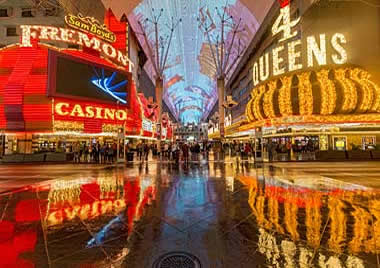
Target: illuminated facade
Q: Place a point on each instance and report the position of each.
(63, 95)
(311, 75)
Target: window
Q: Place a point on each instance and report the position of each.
(11, 31)
(27, 13)
(3, 12)
(50, 12)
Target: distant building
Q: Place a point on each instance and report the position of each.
(191, 132)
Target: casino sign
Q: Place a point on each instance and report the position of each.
(50, 33)
(307, 78)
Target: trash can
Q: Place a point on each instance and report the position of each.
(130, 156)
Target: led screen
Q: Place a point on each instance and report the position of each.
(76, 78)
(190, 73)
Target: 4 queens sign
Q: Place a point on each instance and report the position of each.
(293, 53)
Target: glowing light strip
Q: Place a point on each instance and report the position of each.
(104, 84)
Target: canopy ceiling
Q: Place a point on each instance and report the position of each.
(190, 86)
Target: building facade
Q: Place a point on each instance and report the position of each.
(311, 76)
(55, 96)
(191, 132)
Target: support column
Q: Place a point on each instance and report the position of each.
(220, 84)
(159, 90)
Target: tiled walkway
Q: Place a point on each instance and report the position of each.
(226, 214)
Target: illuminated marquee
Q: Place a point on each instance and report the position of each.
(274, 63)
(89, 111)
(90, 25)
(147, 125)
(50, 33)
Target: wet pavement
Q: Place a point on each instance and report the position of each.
(225, 214)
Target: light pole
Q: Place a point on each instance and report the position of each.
(221, 51)
(159, 56)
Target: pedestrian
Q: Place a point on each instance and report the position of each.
(166, 150)
(110, 154)
(86, 152)
(106, 156)
(175, 153)
(114, 150)
(90, 153)
(76, 150)
(102, 154)
(270, 149)
(247, 150)
(185, 152)
(140, 149)
(197, 150)
(289, 149)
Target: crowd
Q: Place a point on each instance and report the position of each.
(94, 153)
(273, 148)
(194, 151)
(176, 151)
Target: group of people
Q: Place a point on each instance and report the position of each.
(173, 151)
(288, 147)
(143, 150)
(185, 151)
(170, 151)
(94, 153)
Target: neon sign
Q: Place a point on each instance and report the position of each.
(50, 33)
(89, 111)
(90, 25)
(105, 84)
(289, 57)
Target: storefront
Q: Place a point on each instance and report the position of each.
(51, 98)
(318, 86)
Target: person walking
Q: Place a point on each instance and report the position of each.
(197, 150)
(102, 154)
(76, 150)
(114, 151)
(140, 150)
(289, 149)
(185, 152)
(86, 151)
(106, 156)
(110, 154)
(247, 150)
(175, 153)
(146, 151)
(166, 150)
(270, 149)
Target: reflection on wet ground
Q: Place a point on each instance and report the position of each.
(227, 215)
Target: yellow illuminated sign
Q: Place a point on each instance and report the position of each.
(289, 57)
(70, 36)
(89, 111)
(90, 25)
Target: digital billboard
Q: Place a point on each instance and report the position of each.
(73, 77)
